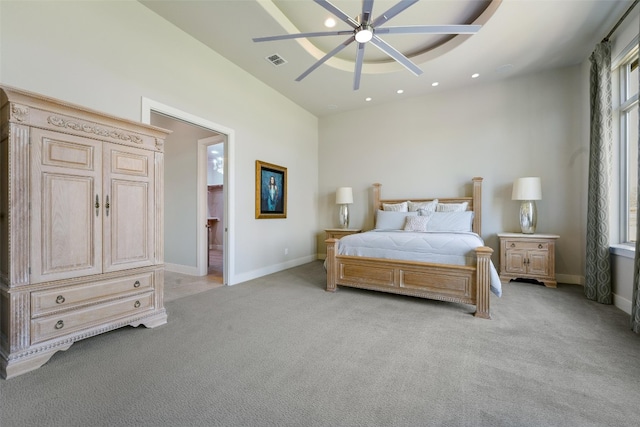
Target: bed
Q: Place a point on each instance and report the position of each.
(466, 277)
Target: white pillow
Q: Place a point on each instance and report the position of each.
(390, 220)
(416, 223)
(449, 221)
(452, 207)
(395, 207)
(427, 206)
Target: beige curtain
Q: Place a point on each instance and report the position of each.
(598, 274)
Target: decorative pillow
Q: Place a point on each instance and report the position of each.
(427, 206)
(395, 207)
(449, 221)
(389, 220)
(416, 223)
(452, 207)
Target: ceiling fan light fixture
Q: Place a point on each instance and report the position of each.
(364, 33)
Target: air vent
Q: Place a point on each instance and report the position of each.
(276, 60)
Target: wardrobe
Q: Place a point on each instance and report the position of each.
(81, 226)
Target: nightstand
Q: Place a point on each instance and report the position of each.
(528, 256)
(337, 233)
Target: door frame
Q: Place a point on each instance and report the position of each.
(148, 106)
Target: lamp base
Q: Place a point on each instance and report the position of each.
(528, 216)
(344, 216)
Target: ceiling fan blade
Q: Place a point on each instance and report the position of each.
(393, 11)
(395, 54)
(326, 57)
(367, 7)
(430, 29)
(358, 69)
(338, 13)
(301, 35)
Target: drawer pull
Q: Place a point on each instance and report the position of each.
(59, 324)
(513, 245)
(540, 246)
(136, 284)
(60, 299)
(136, 304)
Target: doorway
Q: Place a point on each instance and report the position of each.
(187, 230)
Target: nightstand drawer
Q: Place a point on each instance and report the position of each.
(515, 244)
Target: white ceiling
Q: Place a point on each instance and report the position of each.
(517, 37)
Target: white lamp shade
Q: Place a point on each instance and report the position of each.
(528, 188)
(344, 196)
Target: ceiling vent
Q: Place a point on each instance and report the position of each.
(276, 59)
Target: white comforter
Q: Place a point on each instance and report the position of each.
(456, 248)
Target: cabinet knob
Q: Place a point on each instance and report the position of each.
(513, 245)
(136, 304)
(59, 324)
(136, 284)
(540, 246)
(60, 299)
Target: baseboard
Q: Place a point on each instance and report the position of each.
(622, 303)
(182, 269)
(570, 279)
(245, 277)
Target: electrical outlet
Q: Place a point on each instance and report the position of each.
(286, 251)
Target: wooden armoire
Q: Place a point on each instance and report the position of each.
(81, 227)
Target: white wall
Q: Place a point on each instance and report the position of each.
(108, 55)
(433, 145)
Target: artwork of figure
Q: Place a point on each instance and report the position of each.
(272, 194)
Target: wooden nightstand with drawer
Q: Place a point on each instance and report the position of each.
(338, 233)
(528, 256)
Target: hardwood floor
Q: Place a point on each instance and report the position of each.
(178, 285)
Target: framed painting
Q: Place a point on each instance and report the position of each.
(271, 191)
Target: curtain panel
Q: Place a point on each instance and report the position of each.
(598, 271)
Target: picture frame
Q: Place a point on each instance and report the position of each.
(271, 190)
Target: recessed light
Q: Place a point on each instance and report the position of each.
(475, 76)
(434, 84)
(368, 98)
(330, 23)
(400, 91)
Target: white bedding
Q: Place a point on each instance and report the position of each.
(457, 248)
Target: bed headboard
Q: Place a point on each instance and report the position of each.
(475, 202)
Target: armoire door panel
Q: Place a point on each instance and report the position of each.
(66, 177)
(129, 223)
(128, 163)
(67, 241)
(68, 155)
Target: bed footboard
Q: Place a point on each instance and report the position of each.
(454, 283)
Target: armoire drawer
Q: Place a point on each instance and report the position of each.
(60, 324)
(43, 302)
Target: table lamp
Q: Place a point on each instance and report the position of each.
(344, 197)
(528, 190)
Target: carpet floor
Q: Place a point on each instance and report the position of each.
(279, 351)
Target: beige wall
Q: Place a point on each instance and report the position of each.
(109, 55)
(433, 145)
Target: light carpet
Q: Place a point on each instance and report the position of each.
(279, 351)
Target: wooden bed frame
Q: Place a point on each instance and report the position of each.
(444, 282)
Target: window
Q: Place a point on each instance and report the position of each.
(628, 113)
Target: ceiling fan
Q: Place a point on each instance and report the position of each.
(366, 29)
